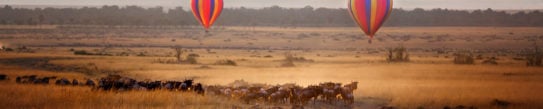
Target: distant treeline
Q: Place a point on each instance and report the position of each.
(270, 16)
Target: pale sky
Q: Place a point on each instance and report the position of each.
(407, 4)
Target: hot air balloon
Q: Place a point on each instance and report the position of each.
(207, 11)
(370, 14)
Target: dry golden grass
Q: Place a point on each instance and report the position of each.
(404, 85)
(51, 96)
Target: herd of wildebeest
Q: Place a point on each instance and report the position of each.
(329, 92)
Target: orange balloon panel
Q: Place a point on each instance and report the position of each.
(370, 14)
(207, 11)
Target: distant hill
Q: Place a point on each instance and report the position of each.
(268, 16)
(173, 7)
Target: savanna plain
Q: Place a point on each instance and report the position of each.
(497, 78)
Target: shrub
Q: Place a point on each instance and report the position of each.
(302, 35)
(463, 58)
(191, 60)
(289, 57)
(268, 56)
(491, 61)
(398, 54)
(287, 63)
(204, 67)
(226, 62)
(81, 52)
(141, 54)
(8, 49)
(166, 61)
(315, 34)
(193, 55)
(123, 54)
(535, 58)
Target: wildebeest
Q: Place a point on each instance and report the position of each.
(3, 77)
(30, 76)
(347, 92)
(311, 92)
(199, 89)
(214, 90)
(89, 83)
(280, 96)
(251, 96)
(330, 91)
(352, 85)
(172, 85)
(186, 85)
(18, 80)
(303, 95)
(26, 79)
(116, 82)
(104, 84)
(34, 79)
(75, 82)
(146, 85)
(44, 80)
(62, 81)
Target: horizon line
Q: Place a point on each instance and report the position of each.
(172, 7)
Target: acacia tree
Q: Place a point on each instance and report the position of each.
(178, 53)
(41, 20)
(535, 58)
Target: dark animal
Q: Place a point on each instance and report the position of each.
(500, 103)
(331, 91)
(254, 96)
(347, 96)
(294, 97)
(280, 96)
(75, 82)
(62, 81)
(124, 83)
(353, 85)
(170, 85)
(32, 77)
(89, 83)
(3, 77)
(186, 85)
(347, 92)
(150, 85)
(306, 94)
(272, 89)
(214, 90)
(26, 79)
(44, 80)
(199, 89)
(104, 84)
(116, 82)
(460, 107)
(387, 107)
(18, 80)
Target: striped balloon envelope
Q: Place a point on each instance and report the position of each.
(370, 14)
(207, 11)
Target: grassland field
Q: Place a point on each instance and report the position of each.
(430, 80)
